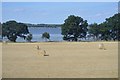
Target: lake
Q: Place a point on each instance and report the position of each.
(55, 34)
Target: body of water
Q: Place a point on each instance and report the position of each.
(55, 34)
(0, 37)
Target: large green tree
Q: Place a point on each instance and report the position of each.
(110, 29)
(13, 29)
(114, 24)
(74, 27)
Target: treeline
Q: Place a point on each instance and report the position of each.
(76, 28)
(44, 25)
(108, 30)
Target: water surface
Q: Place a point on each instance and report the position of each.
(55, 34)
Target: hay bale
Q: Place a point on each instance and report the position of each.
(4, 42)
(101, 46)
(41, 52)
(46, 54)
(38, 48)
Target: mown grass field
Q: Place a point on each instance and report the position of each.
(0, 60)
(65, 60)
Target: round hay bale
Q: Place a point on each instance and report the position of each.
(38, 48)
(5, 42)
(101, 46)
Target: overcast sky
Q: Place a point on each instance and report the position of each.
(57, 12)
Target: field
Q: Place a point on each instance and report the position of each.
(0, 60)
(65, 60)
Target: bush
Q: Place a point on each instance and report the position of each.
(46, 36)
(29, 37)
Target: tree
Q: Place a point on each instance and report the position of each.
(74, 27)
(104, 31)
(13, 29)
(46, 35)
(29, 37)
(110, 29)
(114, 25)
(94, 30)
(0, 29)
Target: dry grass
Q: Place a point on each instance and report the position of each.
(0, 60)
(65, 60)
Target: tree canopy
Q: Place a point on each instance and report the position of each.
(46, 35)
(108, 30)
(74, 27)
(94, 30)
(13, 29)
(0, 28)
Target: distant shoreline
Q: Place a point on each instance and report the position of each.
(44, 25)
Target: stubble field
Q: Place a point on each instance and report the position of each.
(65, 60)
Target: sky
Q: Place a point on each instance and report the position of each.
(57, 12)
